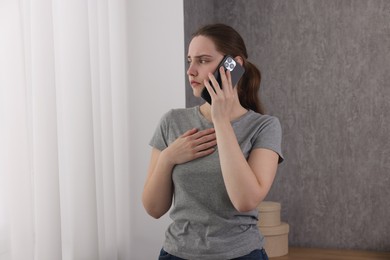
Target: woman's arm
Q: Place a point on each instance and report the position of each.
(158, 192)
(158, 189)
(247, 182)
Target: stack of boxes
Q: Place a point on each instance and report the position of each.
(274, 231)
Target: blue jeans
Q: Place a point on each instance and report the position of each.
(258, 254)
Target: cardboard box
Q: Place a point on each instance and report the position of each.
(269, 214)
(276, 239)
(274, 231)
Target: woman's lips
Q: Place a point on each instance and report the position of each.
(194, 83)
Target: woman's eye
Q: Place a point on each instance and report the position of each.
(199, 61)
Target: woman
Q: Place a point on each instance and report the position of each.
(217, 161)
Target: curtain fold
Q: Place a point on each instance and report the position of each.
(37, 29)
(64, 130)
(16, 171)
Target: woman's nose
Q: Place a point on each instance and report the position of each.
(191, 70)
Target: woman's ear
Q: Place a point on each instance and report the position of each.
(240, 60)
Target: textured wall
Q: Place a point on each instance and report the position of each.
(326, 74)
(196, 14)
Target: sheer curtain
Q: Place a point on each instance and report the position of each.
(64, 130)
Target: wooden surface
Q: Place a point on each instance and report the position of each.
(296, 253)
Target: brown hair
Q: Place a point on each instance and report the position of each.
(229, 41)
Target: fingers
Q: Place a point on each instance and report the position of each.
(202, 137)
(216, 90)
(206, 146)
(210, 89)
(202, 141)
(190, 132)
(191, 145)
(203, 133)
(204, 153)
(199, 137)
(217, 87)
(226, 79)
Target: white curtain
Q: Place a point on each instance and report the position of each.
(64, 130)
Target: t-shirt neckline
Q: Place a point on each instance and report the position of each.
(204, 119)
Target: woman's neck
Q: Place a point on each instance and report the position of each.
(237, 111)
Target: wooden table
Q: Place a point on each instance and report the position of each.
(300, 253)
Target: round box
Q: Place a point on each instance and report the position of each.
(276, 239)
(269, 214)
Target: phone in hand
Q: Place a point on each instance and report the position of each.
(236, 72)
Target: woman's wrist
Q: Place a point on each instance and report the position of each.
(167, 159)
(221, 123)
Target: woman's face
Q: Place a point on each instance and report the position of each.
(202, 59)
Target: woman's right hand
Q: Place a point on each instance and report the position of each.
(158, 190)
(191, 145)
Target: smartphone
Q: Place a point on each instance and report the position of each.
(236, 72)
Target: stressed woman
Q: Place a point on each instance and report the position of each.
(216, 161)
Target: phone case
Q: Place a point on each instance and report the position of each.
(236, 72)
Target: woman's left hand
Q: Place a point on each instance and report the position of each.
(222, 98)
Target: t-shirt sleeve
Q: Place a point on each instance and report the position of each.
(160, 137)
(269, 136)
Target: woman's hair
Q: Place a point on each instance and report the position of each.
(228, 41)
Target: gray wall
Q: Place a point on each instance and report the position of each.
(326, 75)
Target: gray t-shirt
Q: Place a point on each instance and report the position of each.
(205, 223)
